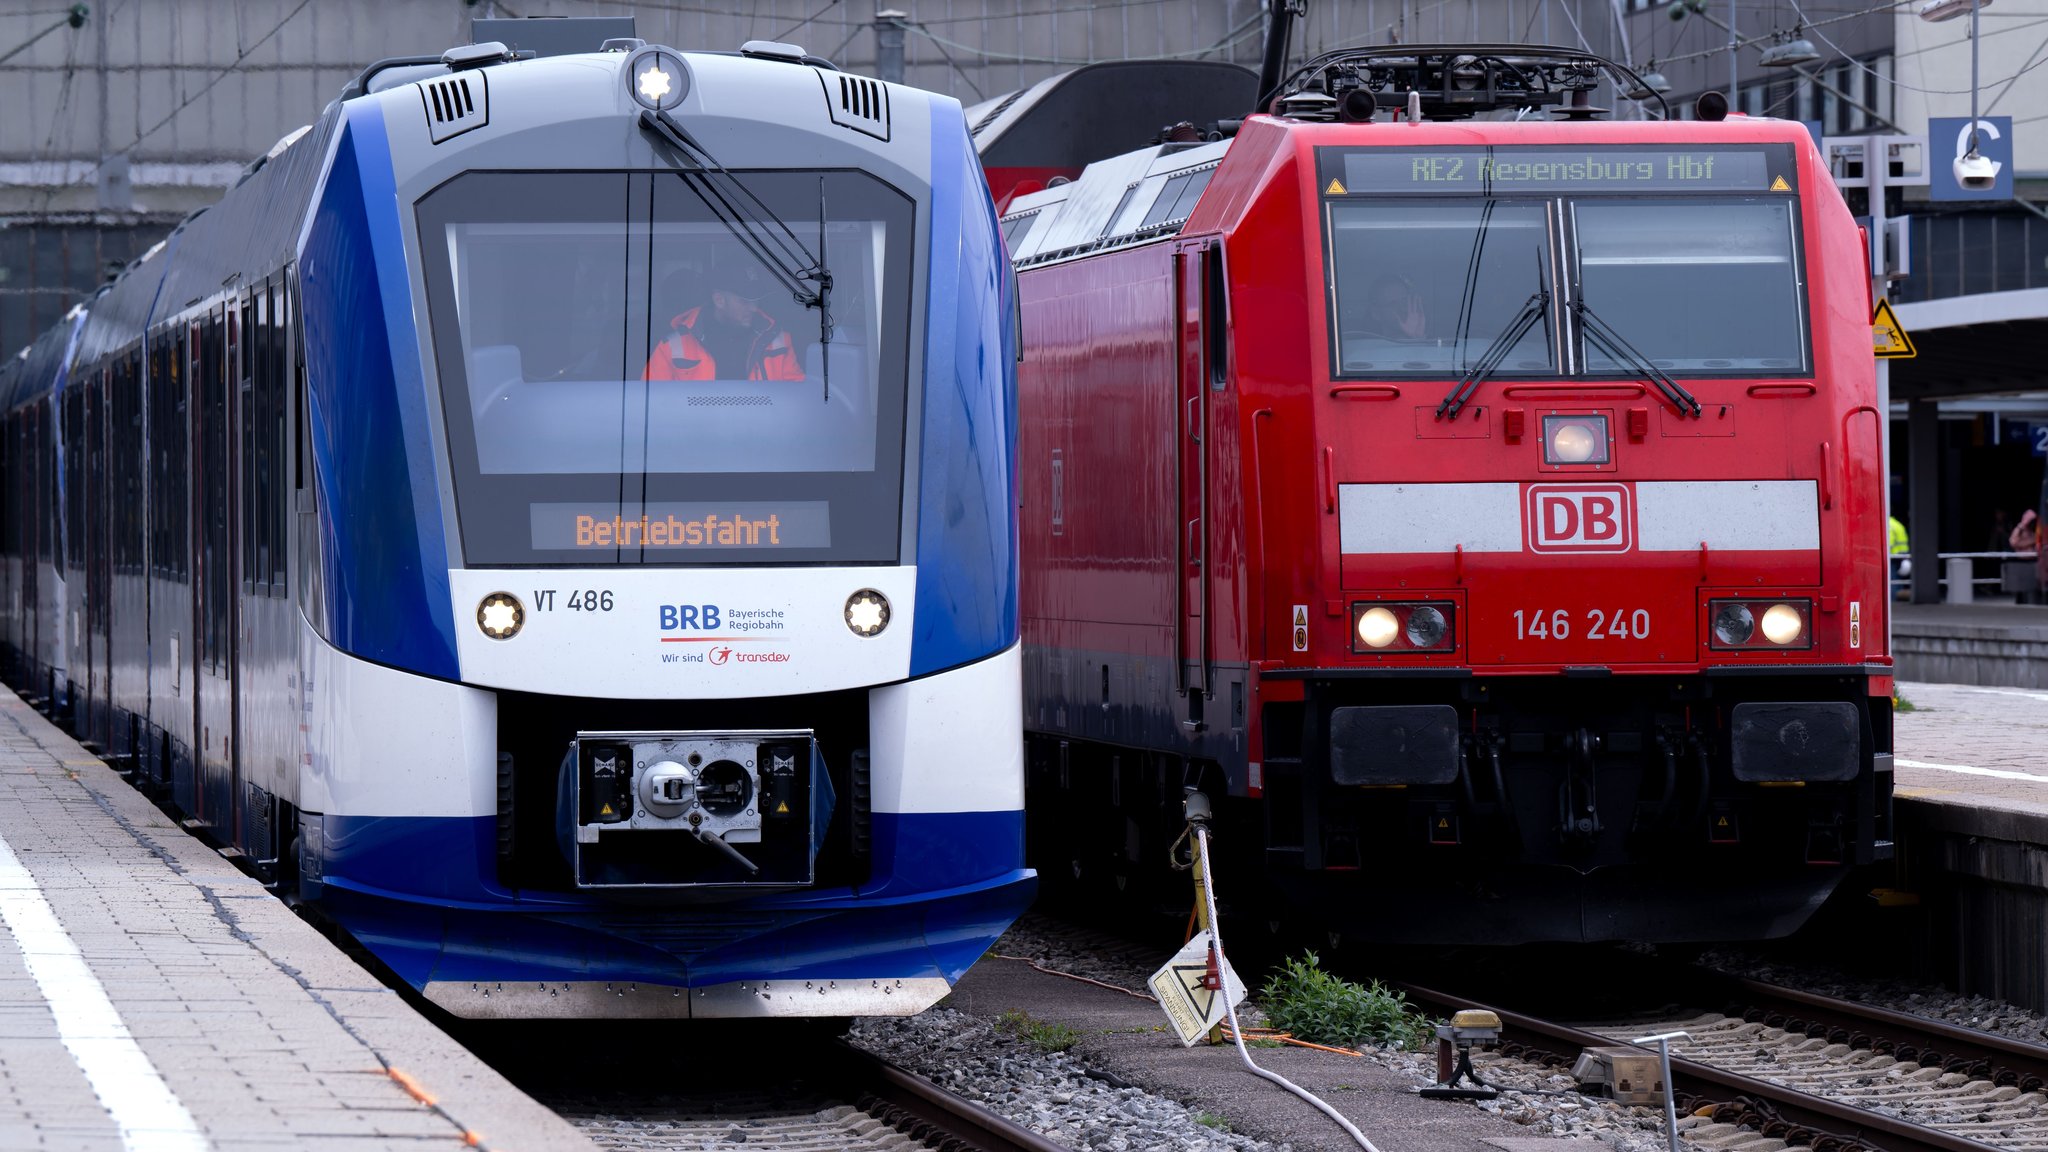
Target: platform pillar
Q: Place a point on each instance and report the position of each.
(1923, 499)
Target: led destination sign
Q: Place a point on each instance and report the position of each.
(1558, 171)
(705, 527)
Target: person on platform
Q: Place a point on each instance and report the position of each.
(729, 337)
(1901, 554)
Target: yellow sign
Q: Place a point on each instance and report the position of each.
(1778, 184)
(1336, 188)
(1888, 336)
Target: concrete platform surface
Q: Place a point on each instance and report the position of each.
(154, 997)
(1976, 749)
(1126, 1037)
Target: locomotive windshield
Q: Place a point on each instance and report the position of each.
(625, 381)
(1436, 254)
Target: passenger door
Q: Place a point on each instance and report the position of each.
(214, 483)
(1192, 438)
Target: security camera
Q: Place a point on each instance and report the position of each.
(1976, 172)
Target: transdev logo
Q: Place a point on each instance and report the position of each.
(1579, 518)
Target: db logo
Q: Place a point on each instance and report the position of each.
(1580, 518)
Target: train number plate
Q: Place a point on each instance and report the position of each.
(1586, 624)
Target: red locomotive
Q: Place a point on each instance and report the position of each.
(1487, 513)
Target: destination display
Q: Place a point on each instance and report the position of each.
(704, 527)
(1555, 170)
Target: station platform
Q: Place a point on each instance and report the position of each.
(154, 997)
(1971, 805)
(1989, 644)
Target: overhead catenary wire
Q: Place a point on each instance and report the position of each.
(1231, 39)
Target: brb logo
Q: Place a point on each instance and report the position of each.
(1579, 518)
(689, 617)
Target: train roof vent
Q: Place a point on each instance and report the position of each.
(857, 102)
(456, 105)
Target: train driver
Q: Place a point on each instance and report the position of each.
(1394, 310)
(729, 337)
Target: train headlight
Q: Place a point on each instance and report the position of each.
(657, 79)
(867, 612)
(1377, 627)
(500, 615)
(1426, 626)
(1575, 440)
(1734, 624)
(1783, 624)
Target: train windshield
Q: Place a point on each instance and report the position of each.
(1732, 266)
(1428, 288)
(1439, 258)
(626, 381)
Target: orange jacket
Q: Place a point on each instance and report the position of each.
(681, 356)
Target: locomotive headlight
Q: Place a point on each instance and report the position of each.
(867, 612)
(500, 615)
(1377, 627)
(1734, 624)
(1426, 627)
(1575, 439)
(1783, 624)
(656, 78)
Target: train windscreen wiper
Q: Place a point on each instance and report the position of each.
(755, 225)
(1601, 333)
(1490, 360)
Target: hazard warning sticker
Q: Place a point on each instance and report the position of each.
(1192, 993)
(1888, 338)
(1301, 627)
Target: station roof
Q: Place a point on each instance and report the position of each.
(1987, 342)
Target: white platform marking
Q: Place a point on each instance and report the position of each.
(2009, 692)
(150, 1117)
(1996, 773)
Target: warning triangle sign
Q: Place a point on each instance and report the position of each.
(606, 811)
(782, 809)
(1888, 338)
(1195, 978)
(1336, 188)
(1778, 184)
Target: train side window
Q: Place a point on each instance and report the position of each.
(1216, 315)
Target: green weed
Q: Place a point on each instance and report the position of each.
(1212, 1120)
(1044, 1035)
(1324, 1009)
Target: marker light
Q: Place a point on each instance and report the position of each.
(1575, 439)
(500, 616)
(656, 78)
(1426, 627)
(1377, 627)
(1734, 624)
(867, 612)
(1782, 624)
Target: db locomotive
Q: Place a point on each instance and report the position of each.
(558, 517)
(1480, 499)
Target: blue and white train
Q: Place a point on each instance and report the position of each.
(384, 517)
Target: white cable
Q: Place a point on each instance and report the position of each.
(1237, 1032)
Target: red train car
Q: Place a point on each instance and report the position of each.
(1488, 514)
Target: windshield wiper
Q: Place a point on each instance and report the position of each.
(1490, 360)
(755, 225)
(1599, 332)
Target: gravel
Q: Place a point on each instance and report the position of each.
(1056, 1094)
(1915, 997)
(1048, 1092)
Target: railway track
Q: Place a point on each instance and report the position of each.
(835, 1096)
(1819, 1073)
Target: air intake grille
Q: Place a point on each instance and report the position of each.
(456, 105)
(857, 102)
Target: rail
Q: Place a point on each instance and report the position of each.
(1778, 1112)
(923, 1110)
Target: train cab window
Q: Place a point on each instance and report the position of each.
(622, 373)
(1427, 288)
(1695, 286)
